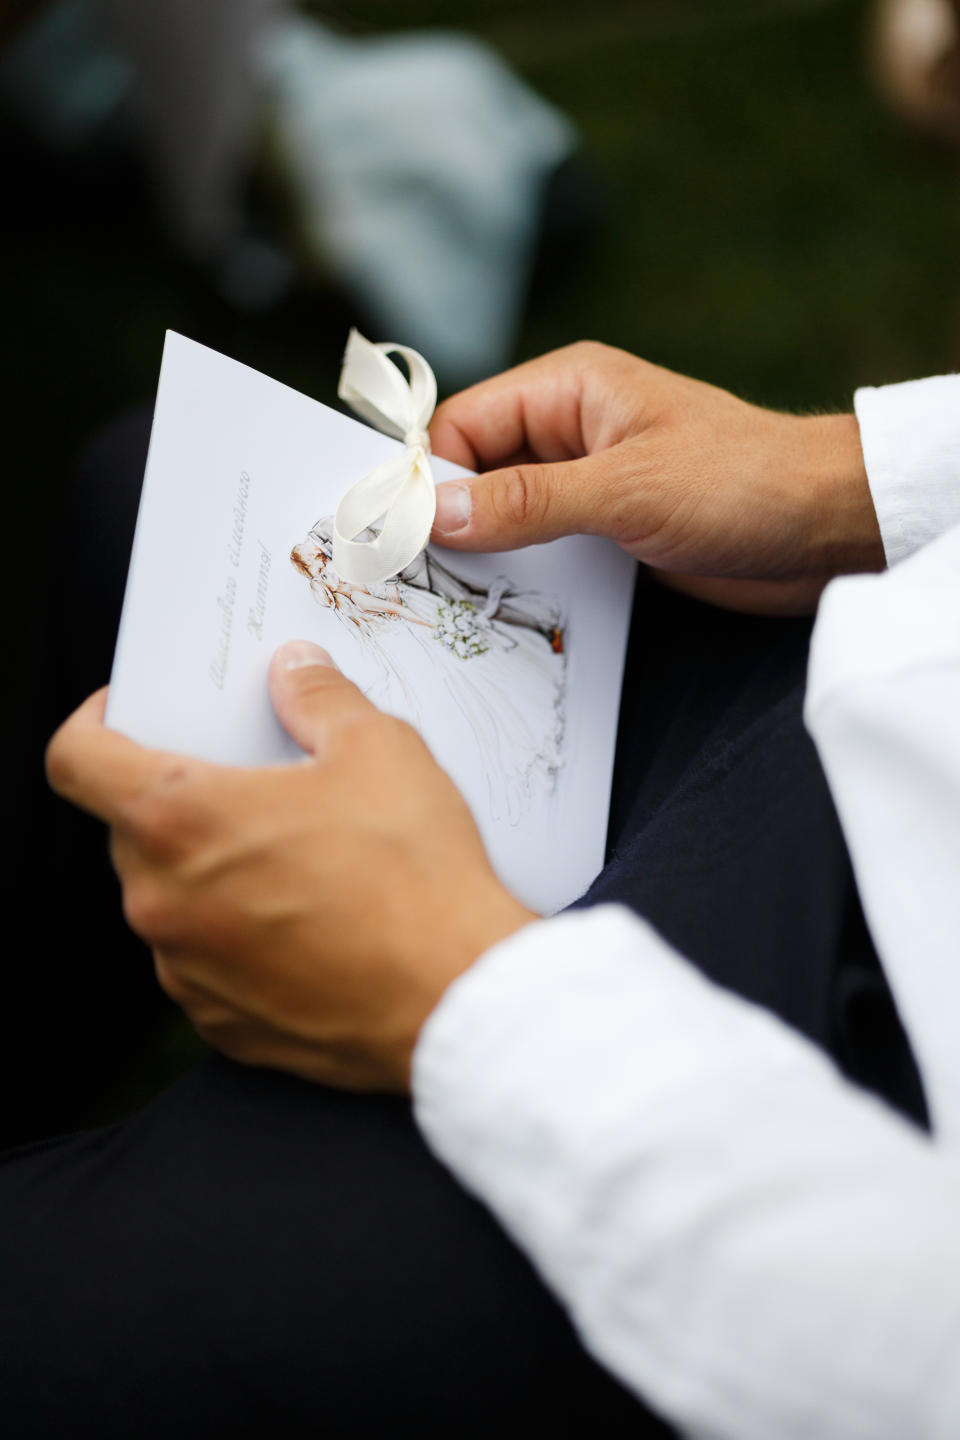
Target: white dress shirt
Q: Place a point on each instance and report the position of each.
(749, 1242)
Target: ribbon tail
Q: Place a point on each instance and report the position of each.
(406, 528)
(370, 498)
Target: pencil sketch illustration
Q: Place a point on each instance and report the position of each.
(498, 652)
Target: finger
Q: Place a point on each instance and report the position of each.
(311, 695)
(526, 505)
(534, 408)
(105, 772)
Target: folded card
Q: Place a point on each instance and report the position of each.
(509, 665)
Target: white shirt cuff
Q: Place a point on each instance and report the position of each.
(911, 446)
(876, 627)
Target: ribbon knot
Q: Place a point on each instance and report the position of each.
(417, 439)
(402, 489)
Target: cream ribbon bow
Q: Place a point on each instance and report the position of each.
(402, 490)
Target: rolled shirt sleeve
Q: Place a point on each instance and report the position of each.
(752, 1245)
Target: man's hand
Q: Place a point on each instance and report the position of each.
(742, 506)
(307, 917)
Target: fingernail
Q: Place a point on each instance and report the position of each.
(453, 508)
(298, 653)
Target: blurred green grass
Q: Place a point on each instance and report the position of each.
(772, 227)
(768, 226)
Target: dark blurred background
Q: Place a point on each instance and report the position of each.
(743, 200)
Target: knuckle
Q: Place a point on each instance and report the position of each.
(171, 982)
(593, 355)
(147, 910)
(166, 815)
(327, 696)
(120, 851)
(610, 360)
(523, 498)
(441, 414)
(365, 731)
(589, 352)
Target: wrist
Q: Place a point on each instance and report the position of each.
(844, 533)
(480, 927)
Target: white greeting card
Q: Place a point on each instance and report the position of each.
(509, 665)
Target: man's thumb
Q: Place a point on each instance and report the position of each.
(310, 695)
(521, 505)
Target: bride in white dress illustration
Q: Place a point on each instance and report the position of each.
(499, 653)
